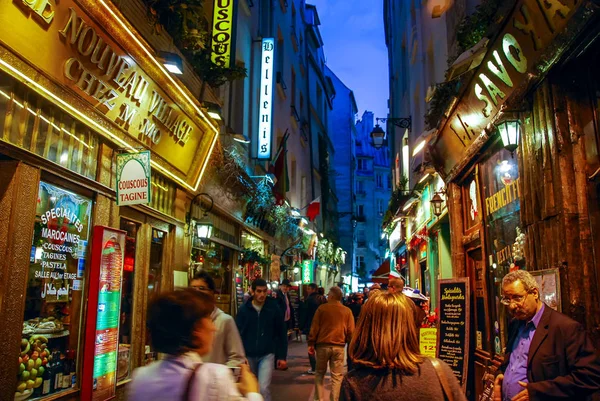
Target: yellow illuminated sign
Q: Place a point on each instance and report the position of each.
(222, 33)
(115, 75)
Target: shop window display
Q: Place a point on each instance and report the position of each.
(505, 238)
(124, 360)
(154, 280)
(53, 304)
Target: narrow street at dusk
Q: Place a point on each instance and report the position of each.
(188, 185)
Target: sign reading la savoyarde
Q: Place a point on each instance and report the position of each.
(133, 178)
(222, 33)
(265, 106)
(509, 63)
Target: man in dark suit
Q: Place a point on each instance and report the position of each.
(549, 356)
(313, 301)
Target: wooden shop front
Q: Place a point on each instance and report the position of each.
(537, 209)
(78, 85)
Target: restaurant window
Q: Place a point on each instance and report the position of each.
(32, 123)
(54, 294)
(154, 280)
(125, 326)
(506, 240)
(163, 194)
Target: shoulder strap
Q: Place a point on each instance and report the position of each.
(188, 388)
(442, 378)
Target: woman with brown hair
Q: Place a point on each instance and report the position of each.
(387, 363)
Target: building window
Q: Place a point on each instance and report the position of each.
(360, 210)
(380, 206)
(360, 187)
(293, 87)
(363, 164)
(361, 238)
(303, 191)
(360, 262)
(379, 180)
(320, 102)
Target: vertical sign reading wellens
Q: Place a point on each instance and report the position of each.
(453, 339)
(265, 105)
(222, 33)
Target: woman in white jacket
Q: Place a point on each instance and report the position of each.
(180, 326)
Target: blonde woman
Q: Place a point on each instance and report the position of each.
(385, 354)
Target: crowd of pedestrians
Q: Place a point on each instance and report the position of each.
(209, 356)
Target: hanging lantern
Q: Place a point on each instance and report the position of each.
(510, 132)
(436, 204)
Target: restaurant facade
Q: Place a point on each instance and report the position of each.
(533, 206)
(78, 87)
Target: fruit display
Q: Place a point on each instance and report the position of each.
(33, 359)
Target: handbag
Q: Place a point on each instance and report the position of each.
(443, 380)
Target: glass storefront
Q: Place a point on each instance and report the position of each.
(54, 299)
(505, 238)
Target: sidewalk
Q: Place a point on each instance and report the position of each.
(295, 384)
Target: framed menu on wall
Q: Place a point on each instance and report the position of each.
(99, 380)
(453, 338)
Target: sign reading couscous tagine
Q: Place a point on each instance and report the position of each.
(133, 178)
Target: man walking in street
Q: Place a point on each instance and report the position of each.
(331, 330)
(285, 304)
(313, 301)
(227, 346)
(263, 334)
(548, 356)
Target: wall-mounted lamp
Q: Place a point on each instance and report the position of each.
(510, 132)
(213, 110)
(436, 203)
(377, 136)
(172, 62)
(204, 227)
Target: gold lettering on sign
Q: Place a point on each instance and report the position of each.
(527, 27)
(487, 109)
(502, 198)
(499, 70)
(518, 59)
(551, 8)
(42, 8)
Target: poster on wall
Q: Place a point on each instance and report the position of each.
(102, 326)
(133, 178)
(428, 341)
(453, 339)
(549, 282)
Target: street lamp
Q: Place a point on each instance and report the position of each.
(204, 227)
(436, 203)
(377, 135)
(510, 132)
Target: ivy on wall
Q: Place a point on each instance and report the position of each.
(184, 21)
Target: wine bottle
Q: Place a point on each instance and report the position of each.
(58, 368)
(46, 379)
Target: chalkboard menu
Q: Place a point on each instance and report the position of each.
(453, 339)
(295, 300)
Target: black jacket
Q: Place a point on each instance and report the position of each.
(263, 333)
(563, 363)
(280, 298)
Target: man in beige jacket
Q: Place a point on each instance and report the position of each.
(331, 330)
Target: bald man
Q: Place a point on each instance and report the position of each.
(396, 285)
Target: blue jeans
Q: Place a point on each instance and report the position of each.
(262, 367)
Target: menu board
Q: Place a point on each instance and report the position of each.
(295, 304)
(453, 339)
(100, 366)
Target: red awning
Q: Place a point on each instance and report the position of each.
(381, 275)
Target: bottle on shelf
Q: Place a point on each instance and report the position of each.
(46, 379)
(73, 372)
(58, 371)
(66, 378)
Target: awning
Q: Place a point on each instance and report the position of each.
(381, 275)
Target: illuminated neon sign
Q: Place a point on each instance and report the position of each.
(266, 97)
(307, 271)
